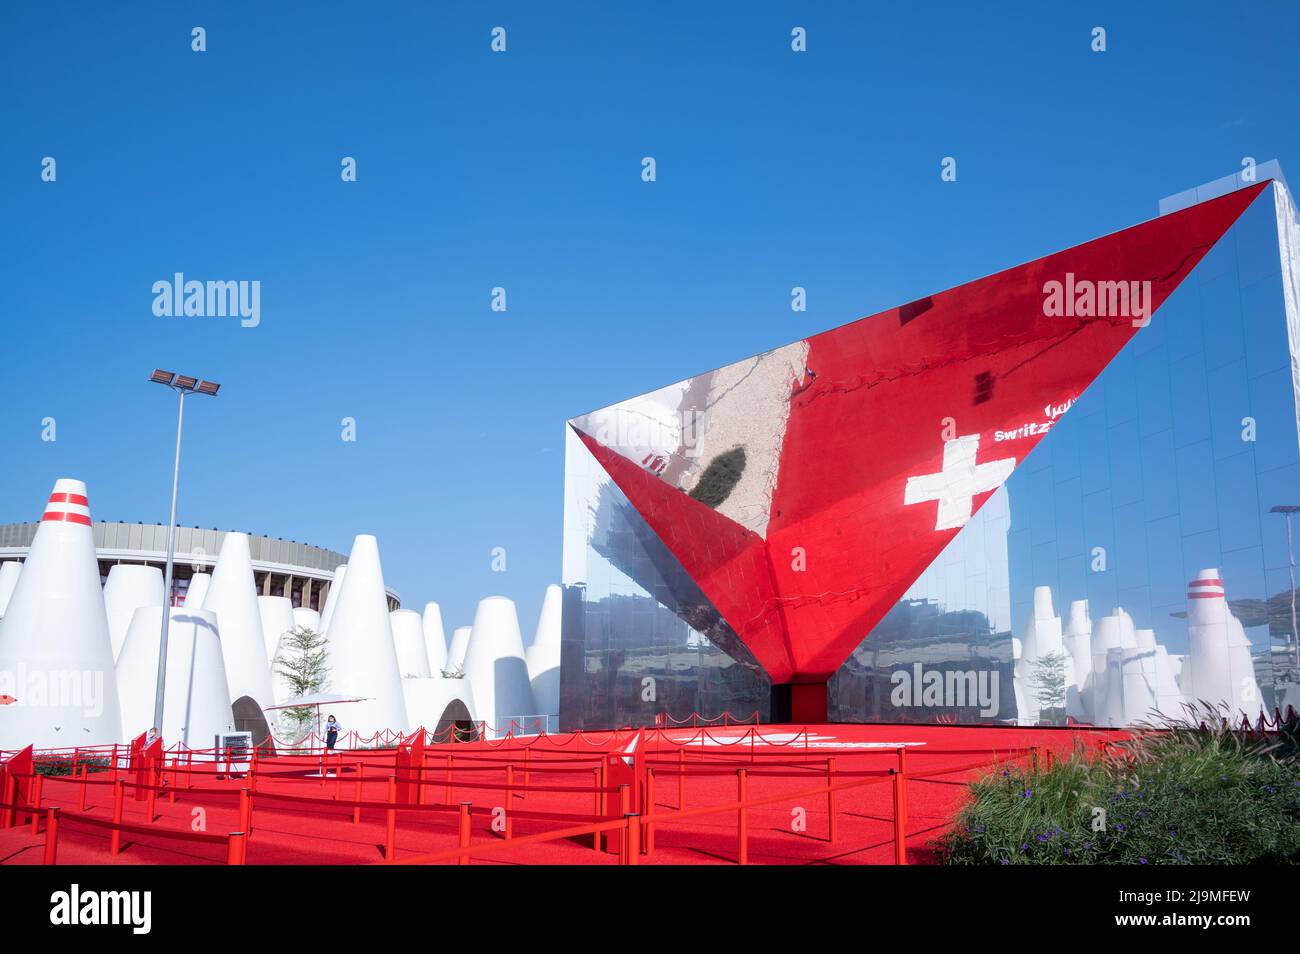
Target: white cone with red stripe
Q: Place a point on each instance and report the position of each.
(408, 643)
(1218, 649)
(435, 639)
(56, 655)
(543, 654)
(332, 597)
(459, 644)
(359, 642)
(197, 590)
(497, 670)
(232, 595)
(197, 703)
(9, 572)
(130, 586)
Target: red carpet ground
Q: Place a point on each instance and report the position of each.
(561, 773)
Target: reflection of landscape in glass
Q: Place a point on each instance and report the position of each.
(1162, 473)
(641, 615)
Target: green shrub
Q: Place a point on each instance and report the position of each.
(1186, 792)
(63, 766)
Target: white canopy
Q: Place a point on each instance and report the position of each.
(317, 699)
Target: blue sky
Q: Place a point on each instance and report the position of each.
(522, 170)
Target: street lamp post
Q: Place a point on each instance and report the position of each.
(182, 385)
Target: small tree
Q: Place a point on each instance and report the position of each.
(301, 661)
(1048, 682)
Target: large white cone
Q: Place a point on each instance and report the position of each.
(496, 668)
(196, 702)
(1078, 643)
(56, 655)
(435, 639)
(408, 643)
(130, 586)
(332, 597)
(1169, 697)
(543, 656)
(232, 595)
(1113, 697)
(427, 701)
(197, 590)
(276, 614)
(285, 654)
(1127, 630)
(1140, 681)
(459, 645)
(1106, 637)
(1218, 650)
(9, 572)
(1182, 667)
(359, 640)
(1042, 639)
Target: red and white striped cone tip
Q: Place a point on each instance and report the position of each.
(56, 654)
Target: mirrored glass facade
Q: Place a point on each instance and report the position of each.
(1138, 556)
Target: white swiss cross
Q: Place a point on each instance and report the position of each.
(960, 481)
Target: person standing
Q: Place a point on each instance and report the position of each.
(332, 728)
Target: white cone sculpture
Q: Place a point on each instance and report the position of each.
(232, 595)
(285, 653)
(1078, 643)
(359, 641)
(459, 644)
(1140, 680)
(496, 669)
(130, 586)
(9, 572)
(408, 643)
(1218, 649)
(432, 702)
(332, 597)
(197, 590)
(543, 654)
(56, 656)
(1114, 682)
(307, 619)
(1169, 697)
(276, 614)
(1127, 630)
(1042, 641)
(435, 639)
(1105, 637)
(196, 704)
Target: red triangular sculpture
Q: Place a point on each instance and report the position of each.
(942, 396)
